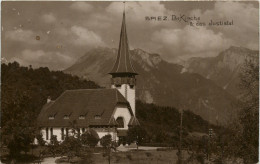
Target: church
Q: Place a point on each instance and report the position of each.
(107, 111)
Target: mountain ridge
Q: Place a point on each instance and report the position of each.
(224, 69)
(161, 82)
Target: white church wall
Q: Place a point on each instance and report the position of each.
(57, 131)
(122, 111)
(102, 134)
(128, 93)
(131, 97)
(43, 132)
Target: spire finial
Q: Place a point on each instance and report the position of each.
(124, 7)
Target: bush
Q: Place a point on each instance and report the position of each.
(106, 141)
(90, 138)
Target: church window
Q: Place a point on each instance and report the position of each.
(97, 117)
(62, 133)
(47, 133)
(78, 130)
(120, 122)
(66, 117)
(67, 132)
(51, 132)
(81, 117)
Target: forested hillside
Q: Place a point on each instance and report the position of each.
(34, 85)
(162, 123)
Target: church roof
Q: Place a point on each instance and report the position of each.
(123, 63)
(89, 107)
(133, 121)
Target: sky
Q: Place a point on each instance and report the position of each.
(56, 34)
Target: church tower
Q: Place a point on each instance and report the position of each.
(123, 73)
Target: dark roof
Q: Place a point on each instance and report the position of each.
(133, 121)
(123, 63)
(84, 102)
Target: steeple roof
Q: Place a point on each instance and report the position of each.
(123, 63)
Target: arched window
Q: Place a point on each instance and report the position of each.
(67, 132)
(120, 121)
(47, 133)
(51, 132)
(62, 133)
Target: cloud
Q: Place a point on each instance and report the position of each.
(245, 16)
(82, 7)
(21, 35)
(88, 25)
(189, 42)
(49, 18)
(177, 44)
(83, 36)
(40, 58)
(137, 11)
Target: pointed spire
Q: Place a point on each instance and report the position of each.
(123, 63)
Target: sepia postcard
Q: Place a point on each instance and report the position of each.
(130, 82)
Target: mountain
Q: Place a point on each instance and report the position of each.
(161, 83)
(223, 69)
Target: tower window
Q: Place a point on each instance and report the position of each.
(81, 117)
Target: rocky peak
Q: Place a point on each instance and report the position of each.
(141, 56)
(235, 56)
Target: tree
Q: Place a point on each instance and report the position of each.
(71, 147)
(250, 111)
(90, 138)
(245, 129)
(41, 144)
(136, 134)
(106, 141)
(54, 146)
(40, 139)
(108, 144)
(18, 129)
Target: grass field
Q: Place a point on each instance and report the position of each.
(128, 157)
(138, 157)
